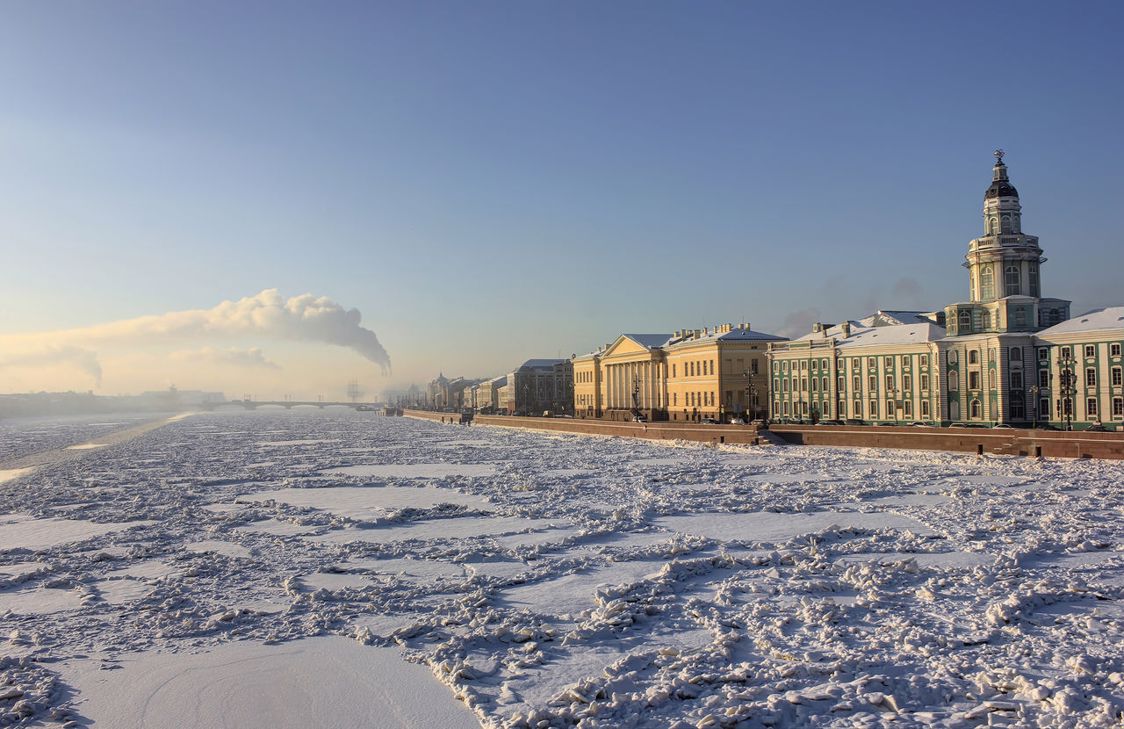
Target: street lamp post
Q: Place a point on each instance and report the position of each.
(1067, 386)
(1034, 403)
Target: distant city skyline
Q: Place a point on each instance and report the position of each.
(494, 182)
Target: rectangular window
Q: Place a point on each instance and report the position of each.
(1114, 350)
(907, 382)
(1090, 377)
(908, 405)
(1043, 378)
(1118, 408)
(1044, 408)
(888, 361)
(858, 411)
(815, 384)
(889, 382)
(815, 364)
(1043, 354)
(924, 381)
(785, 408)
(1117, 377)
(1090, 350)
(873, 408)
(753, 366)
(673, 370)
(857, 383)
(973, 380)
(1091, 407)
(925, 409)
(924, 360)
(804, 384)
(870, 363)
(825, 388)
(873, 382)
(842, 383)
(1016, 380)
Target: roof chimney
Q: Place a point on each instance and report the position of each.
(845, 327)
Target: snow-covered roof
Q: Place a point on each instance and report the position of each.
(540, 363)
(498, 381)
(736, 334)
(651, 341)
(1110, 317)
(894, 334)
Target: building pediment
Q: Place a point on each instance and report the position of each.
(631, 345)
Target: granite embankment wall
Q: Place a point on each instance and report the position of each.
(1014, 442)
(743, 434)
(1047, 443)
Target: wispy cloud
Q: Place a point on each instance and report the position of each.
(84, 359)
(252, 357)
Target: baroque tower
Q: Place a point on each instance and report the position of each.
(1004, 270)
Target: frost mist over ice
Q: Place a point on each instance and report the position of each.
(551, 580)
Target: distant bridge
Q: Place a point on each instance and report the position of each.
(289, 404)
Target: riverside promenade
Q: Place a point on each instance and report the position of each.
(996, 441)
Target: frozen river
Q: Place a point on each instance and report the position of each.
(339, 569)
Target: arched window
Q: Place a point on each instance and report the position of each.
(987, 284)
(975, 408)
(1032, 272)
(1011, 276)
(965, 321)
(985, 321)
(973, 357)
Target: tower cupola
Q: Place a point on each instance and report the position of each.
(1000, 185)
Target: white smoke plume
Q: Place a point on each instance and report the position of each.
(267, 315)
(252, 357)
(83, 359)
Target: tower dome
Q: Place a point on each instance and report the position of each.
(1000, 185)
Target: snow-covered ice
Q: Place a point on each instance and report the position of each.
(241, 685)
(334, 568)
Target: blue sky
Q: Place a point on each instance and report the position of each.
(488, 182)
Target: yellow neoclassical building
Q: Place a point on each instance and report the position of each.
(587, 384)
(718, 372)
(688, 375)
(634, 377)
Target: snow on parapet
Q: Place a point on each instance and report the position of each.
(1110, 317)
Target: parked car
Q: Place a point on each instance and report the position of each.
(709, 421)
(1097, 428)
(1002, 426)
(735, 420)
(639, 419)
